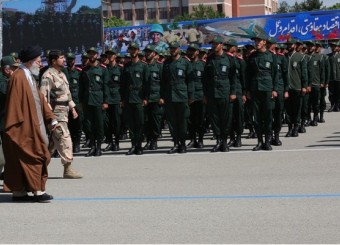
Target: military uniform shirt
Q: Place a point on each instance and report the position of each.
(114, 84)
(297, 71)
(155, 69)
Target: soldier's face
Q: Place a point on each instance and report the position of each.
(149, 55)
(192, 53)
(217, 46)
(174, 52)
(60, 61)
(133, 52)
(70, 62)
(311, 49)
(260, 43)
(93, 56)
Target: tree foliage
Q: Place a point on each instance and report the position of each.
(335, 6)
(114, 22)
(200, 12)
(301, 6)
(87, 10)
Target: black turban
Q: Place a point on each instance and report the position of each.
(29, 53)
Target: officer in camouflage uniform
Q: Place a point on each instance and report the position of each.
(75, 125)
(114, 111)
(177, 91)
(136, 90)
(262, 89)
(197, 108)
(297, 83)
(55, 88)
(93, 93)
(154, 109)
(219, 90)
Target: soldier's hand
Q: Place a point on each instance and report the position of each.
(322, 85)
(274, 94)
(308, 90)
(303, 91)
(232, 97)
(74, 113)
(105, 106)
(145, 102)
(161, 102)
(244, 99)
(286, 95)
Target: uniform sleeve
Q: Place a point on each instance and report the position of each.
(304, 73)
(190, 81)
(275, 74)
(284, 70)
(106, 89)
(45, 87)
(146, 82)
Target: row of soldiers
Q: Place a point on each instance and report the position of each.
(230, 89)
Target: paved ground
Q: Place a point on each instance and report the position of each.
(288, 195)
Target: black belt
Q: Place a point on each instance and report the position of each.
(64, 103)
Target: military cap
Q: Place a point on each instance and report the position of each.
(309, 43)
(103, 55)
(84, 55)
(150, 48)
(127, 55)
(70, 56)
(271, 40)
(15, 55)
(193, 46)
(332, 43)
(249, 45)
(282, 46)
(317, 43)
(231, 42)
(110, 51)
(203, 50)
(9, 61)
(261, 36)
(134, 45)
(92, 49)
(174, 45)
(291, 40)
(141, 54)
(119, 55)
(217, 39)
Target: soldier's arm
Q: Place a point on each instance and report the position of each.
(106, 80)
(232, 76)
(304, 73)
(190, 81)
(45, 87)
(322, 71)
(284, 71)
(275, 74)
(146, 83)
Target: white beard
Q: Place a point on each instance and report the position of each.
(34, 69)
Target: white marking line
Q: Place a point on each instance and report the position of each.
(210, 153)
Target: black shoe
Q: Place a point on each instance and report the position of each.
(224, 146)
(295, 131)
(115, 147)
(43, 198)
(139, 151)
(321, 120)
(289, 133)
(217, 147)
(2, 176)
(108, 147)
(302, 128)
(200, 144)
(238, 142)
(231, 142)
(87, 144)
(192, 144)
(174, 149)
(153, 145)
(276, 140)
(91, 152)
(258, 146)
(25, 198)
(147, 146)
(251, 135)
(131, 151)
(182, 149)
(314, 123)
(76, 148)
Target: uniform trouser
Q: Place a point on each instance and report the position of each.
(114, 114)
(86, 122)
(61, 141)
(248, 114)
(153, 116)
(314, 100)
(237, 112)
(134, 115)
(293, 107)
(331, 92)
(277, 112)
(177, 114)
(336, 94)
(305, 112)
(220, 117)
(263, 112)
(196, 119)
(2, 157)
(96, 120)
(323, 94)
(76, 125)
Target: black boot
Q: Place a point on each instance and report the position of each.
(336, 107)
(321, 119)
(192, 143)
(109, 146)
(132, 150)
(251, 133)
(147, 145)
(153, 144)
(224, 146)
(232, 140)
(259, 143)
(200, 144)
(276, 140)
(98, 149)
(76, 145)
(295, 131)
(290, 130)
(139, 149)
(87, 144)
(314, 123)
(267, 146)
(115, 146)
(238, 142)
(331, 108)
(182, 147)
(302, 128)
(217, 147)
(92, 151)
(175, 148)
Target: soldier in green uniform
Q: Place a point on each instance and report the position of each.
(93, 91)
(282, 91)
(334, 83)
(154, 110)
(219, 90)
(323, 88)
(316, 77)
(136, 90)
(177, 91)
(75, 125)
(262, 89)
(297, 83)
(197, 107)
(114, 111)
(237, 106)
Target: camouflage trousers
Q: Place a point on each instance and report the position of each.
(60, 140)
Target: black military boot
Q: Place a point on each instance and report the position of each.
(115, 146)
(98, 149)
(224, 146)
(290, 130)
(302, 128)
(182, 147)
(192, 143)
(92, 151)
(76, 145)
(267, 146)
(276, 139)
(87, 144)
(232, 140)
(139, 149)
(251, 134)
(314, 123)
(295, 131)
(217, 147)
(238, 142)
(321, 119)
(259, 143)
(200, 144)
(336, 107)
(132, 150)
(147, 145)
(331, 108)
(109, 146)
(153, 144)
(175, 148)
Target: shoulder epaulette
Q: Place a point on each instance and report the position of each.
(78, 68)
(230, 54)
(103, 66)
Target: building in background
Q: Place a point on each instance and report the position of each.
(140, 11)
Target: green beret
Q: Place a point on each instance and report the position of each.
(193, 46)
(174, 45)
(92, 49)
(217, 39)
(70, 56)
(134, 45)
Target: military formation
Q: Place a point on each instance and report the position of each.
(226, 89)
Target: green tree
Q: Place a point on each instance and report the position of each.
(307, 5)
(87, 10)
(152, 21)
(200, 12)
(114, 22)
(335, 6)
(284, 7)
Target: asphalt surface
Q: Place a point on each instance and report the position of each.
(288, 195)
